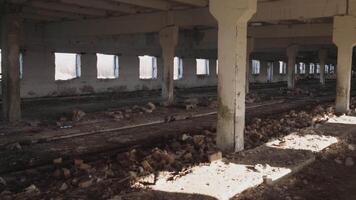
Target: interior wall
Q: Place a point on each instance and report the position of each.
(39, 68)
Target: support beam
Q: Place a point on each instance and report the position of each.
(67, 8)
(232, 17)
(323, 53)
(153, 22)
(106, 5)
(50, 14)
(250, 47)
(168, 40)
(345, 39)
(292, 52)
(154, 4)
(10, 45)
(199, 3)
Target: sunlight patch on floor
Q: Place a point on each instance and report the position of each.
(220, 180)
(309, 142)
(342, 120)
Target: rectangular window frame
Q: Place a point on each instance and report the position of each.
(116, 67)
(154, 67)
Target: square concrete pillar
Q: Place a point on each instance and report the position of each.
(344, 37)
(168, 40)
(263, 77)
(250, 47)
(232, 17)
(292, 52)
(307, 69)
(276, 71)
(323, 53)
(11, 25)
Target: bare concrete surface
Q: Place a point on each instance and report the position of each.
(331, 176)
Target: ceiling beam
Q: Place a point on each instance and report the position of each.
(154, 22)
(154, 4)
(66, 8)
(298, 9)
(49, 13)
(36, 17)
(106, 5)
(199, 3)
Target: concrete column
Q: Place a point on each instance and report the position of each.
(250, 46)
(323, 53)
(263, 71)
(168, 40)
(232, 17)
(307, 69)
(315, 70)
(212, 68)
(344, 37)
(10, 45)
(275, 71)
(292, 52)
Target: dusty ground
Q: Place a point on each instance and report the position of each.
(112, 175)
(329, 178)
(109, 174)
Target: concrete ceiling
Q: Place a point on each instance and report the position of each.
(65, 10)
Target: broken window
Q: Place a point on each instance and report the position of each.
(20, 63)
(326, 69)
(67, 66)
(302, 68)
(178, 68)
(282, 67)
(202, 66)
(332, 69)
(311, 68)
(148, 67)
(256, 67)
(107, 66)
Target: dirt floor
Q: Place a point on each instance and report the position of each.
(37, 163)
(331, 177)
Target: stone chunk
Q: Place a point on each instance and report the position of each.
(215, 156)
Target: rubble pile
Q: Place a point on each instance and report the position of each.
(253, 98)
(176, 156)
(260, 131)
(297, 92)
(127, 113)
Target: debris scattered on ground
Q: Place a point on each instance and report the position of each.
(177, 155)
(15, 147)
(78, 115)
(63, 187)
(32, 189)
(261, 131)
(191, 104)
(252, 98)
(2, 181)
(349, 162)
(215, 156)
(85, 183)
(57, 161)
